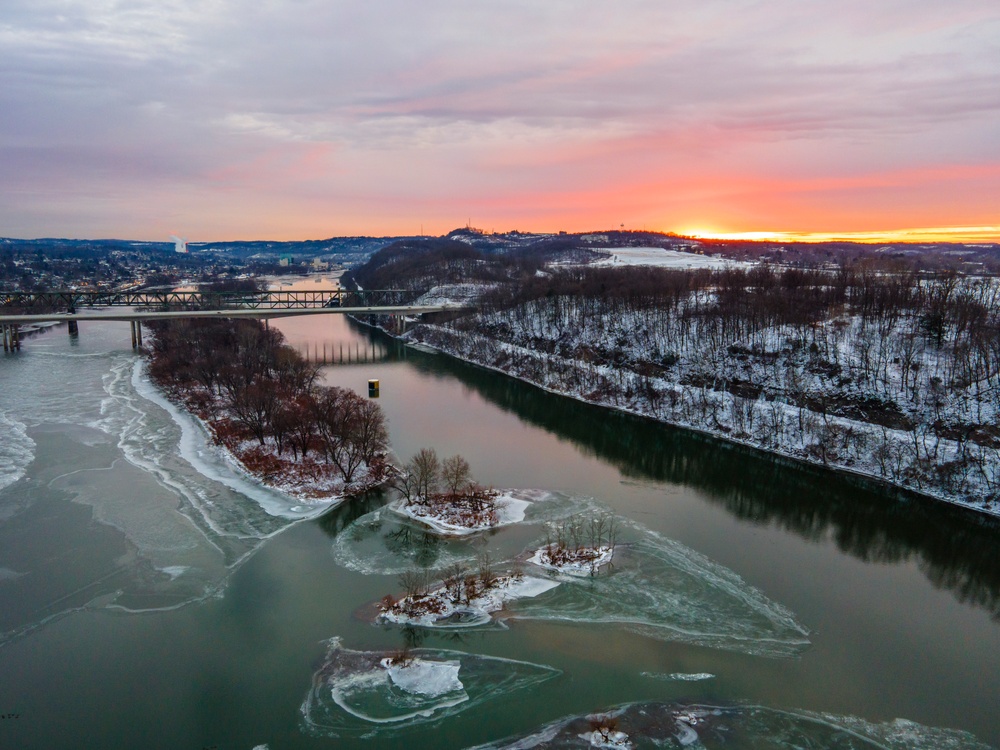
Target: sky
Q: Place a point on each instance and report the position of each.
(297, 119)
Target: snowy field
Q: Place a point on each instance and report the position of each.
(658, 256)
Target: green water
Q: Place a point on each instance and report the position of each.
(151, 602)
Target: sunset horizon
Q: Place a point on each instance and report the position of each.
(737, 120)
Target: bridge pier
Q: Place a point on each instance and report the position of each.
(73, 326)
(136, 326)
(12, 338)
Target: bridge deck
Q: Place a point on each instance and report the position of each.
(228, 313)
(281, 300)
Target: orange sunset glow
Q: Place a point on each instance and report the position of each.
(778, 121)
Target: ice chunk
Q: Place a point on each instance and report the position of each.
(429, 678)
(364, 692)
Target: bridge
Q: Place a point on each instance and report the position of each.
(208, 299)
(137, 306)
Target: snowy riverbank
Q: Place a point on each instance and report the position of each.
(875, 452)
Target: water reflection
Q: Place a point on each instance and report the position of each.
(955, 548)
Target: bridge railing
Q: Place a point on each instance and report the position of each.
(48, 301)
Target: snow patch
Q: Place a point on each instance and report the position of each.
(582, 562)
(662, 258)
(606, 738)
(174, 570)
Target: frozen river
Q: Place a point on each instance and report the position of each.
(151, 597)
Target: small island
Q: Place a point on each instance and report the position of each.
(464, 598)
(579, 546)
(443, 496)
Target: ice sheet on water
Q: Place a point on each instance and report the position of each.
(660, 588)
(385, 543)
(655, 586)
(363, 692)
(675, 725)
(197, 449)
(16, 450)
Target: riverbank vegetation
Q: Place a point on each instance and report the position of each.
(261, 401)
(875, 367)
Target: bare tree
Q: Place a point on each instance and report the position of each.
(414, 583)
(426, 471)
(456, 474)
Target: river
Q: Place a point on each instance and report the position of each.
(152, 597)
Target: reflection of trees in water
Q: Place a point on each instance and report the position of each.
(421, 547)
(398, 536)
(956, 549)
(414, 637)
(336, 520)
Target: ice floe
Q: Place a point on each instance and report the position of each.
(655, 586)
(428, 678)
(698, 726)
(16, 450)
(662, 589)
(362, 692)
(384, 542)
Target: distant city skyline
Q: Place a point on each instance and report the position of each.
(304, 120)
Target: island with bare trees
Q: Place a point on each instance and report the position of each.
(442, 495)
(261, 402)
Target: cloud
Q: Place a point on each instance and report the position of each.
(432, 107)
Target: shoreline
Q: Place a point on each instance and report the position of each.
(187, 419)
(301, 489)
(847, 471)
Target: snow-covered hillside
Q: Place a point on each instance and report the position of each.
(908, 392)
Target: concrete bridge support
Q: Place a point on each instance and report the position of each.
(73, 327)
(136, 326)
(12, 338)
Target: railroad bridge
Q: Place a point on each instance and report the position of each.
(18, 309)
